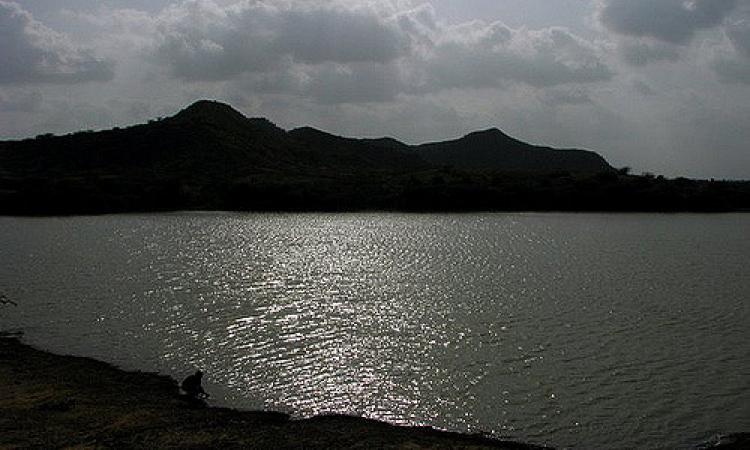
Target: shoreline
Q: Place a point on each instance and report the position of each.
(54, 401)
(208, 212)
(426, 212)
(62, 401)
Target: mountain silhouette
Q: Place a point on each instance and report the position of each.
(212, 136)
(493, 149)
(210, 156)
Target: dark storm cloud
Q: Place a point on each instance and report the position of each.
(673, 21)
(31, 53)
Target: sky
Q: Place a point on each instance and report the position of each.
(660, 86)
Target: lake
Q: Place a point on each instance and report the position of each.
(584, 330)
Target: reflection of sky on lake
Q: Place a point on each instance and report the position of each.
(565, 329)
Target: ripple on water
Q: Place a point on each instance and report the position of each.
(589, 330)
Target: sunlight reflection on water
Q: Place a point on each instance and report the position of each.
(596, 330)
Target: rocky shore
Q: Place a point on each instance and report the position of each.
(52, 401)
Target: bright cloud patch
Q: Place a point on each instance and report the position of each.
(31, 52)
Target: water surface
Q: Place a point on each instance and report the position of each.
(585, 330)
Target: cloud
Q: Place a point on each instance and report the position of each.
(326, 34)
(201, 40)
(672, 21)
(474, 56)
(482, 55)
(349, 52)
(356, 83)
(643, 88)
(739, 34)
(22, 102)
(732, 64)
(733, 71)
(641, 52)
(562, 97)
(32, 53)
(328, 83)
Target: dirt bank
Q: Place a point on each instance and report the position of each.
(52, 401)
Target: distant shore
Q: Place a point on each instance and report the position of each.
(53, 401)
(210, 156)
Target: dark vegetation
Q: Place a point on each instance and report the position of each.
(210, 156)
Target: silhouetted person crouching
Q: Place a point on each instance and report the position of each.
(192, 386)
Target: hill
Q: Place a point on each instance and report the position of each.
(213, 138)
(207, 139)
(210, 156)
(493, 149)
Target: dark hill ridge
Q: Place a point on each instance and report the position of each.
(210, 110)
(365, 154)
(491, 149)
(206, 139)
(209, 134)
(210, 156)
(496, 150)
